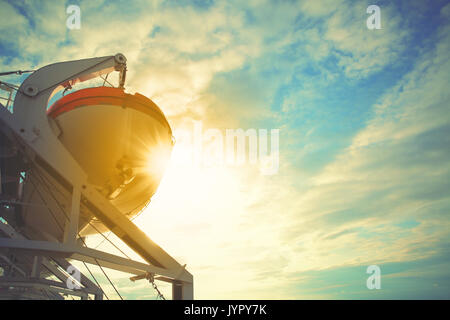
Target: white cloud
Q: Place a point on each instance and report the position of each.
(363, 51)
(254, 234)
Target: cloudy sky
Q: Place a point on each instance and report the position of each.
(364, 125)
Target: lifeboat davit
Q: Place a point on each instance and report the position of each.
(122, 142)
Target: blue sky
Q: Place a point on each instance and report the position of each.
(364, 124)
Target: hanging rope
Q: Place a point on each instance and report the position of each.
(44, 182)
(98, 284)
(82, 240)
(132, 219)
(105, 238)
(67, 218)
(61, 228)
(109, 280)
(17, 72)
(45, 203)
(105, 80)
(9, 85)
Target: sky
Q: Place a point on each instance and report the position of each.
(364, 125)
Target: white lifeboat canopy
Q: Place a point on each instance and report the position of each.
(122, 141)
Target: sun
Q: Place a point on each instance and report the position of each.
(157, 159)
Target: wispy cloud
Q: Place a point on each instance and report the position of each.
(364, 134)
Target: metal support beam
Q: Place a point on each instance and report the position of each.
(37, 265)
(93, 256)
(71, 231)
(88, 286)
(45, 284)
(30, 128)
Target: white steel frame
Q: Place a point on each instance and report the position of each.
(30, 124)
